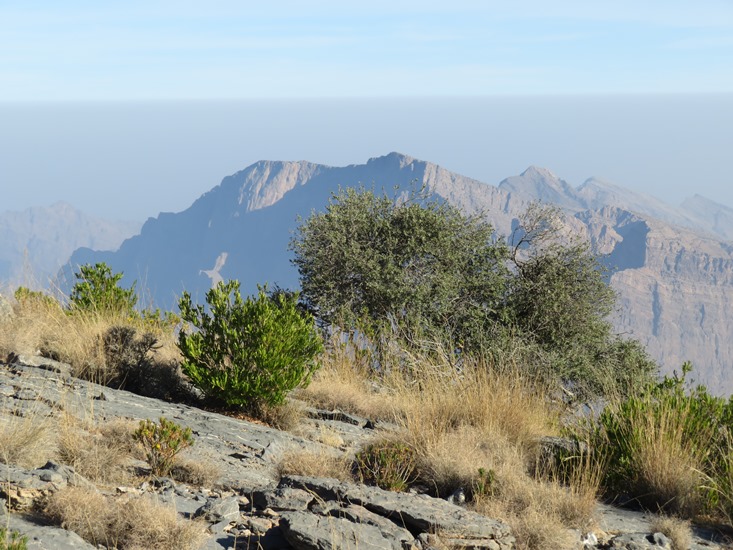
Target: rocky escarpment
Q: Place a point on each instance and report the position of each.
(250, 505)
(675, 291)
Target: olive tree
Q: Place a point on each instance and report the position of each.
(417, 261)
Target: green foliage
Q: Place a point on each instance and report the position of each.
(418, 271)
(660, 447)
(248, 353)
(484, 485)
(97, 289)
(417, 262)
(12, 540)
(390, 465)
(35, 298)
(162, 442)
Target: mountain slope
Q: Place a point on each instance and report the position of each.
(37, 241)
(675, 285)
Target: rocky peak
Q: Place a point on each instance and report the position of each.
(540, 184)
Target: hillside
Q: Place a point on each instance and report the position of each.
(674, 281)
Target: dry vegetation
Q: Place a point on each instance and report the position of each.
(474, 429)
(137, 522)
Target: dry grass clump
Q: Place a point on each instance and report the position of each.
(123, 522)
(459, 423)
(675, 529)
(344, 382)
(98, 453)
(476, 430)
(26, 436)
(41, 325)
(305, 463)
(200, 473)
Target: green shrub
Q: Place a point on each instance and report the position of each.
(162, 442)
(12, 540)
(248, 353)
(667, 448)
(35, 298)
(97, 289)
(390, 465)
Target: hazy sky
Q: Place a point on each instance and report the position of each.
(95, 97)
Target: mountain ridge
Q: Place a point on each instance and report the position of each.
(665, 274)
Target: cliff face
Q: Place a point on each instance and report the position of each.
(674, 284)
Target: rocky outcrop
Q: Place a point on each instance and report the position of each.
(250, 505)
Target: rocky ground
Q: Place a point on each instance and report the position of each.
(251, 505)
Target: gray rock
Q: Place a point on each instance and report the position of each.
(47, 537)
(219, 509)
(417, 513)
(282, 498)
(639, 541)
(306, 531)
(42, 363)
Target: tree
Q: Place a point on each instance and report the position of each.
(421, 264)
(97, 289)
(560, 298)
(417, 261)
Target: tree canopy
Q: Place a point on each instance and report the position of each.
(421, 264)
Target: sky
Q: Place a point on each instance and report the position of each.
(128, 109)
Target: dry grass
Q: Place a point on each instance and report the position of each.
(304, 463)
(99, 453)
(123, 522)
(43, 326)
(476, 431)
(676, 530)
(343, 382)
(200, 473)
(27, 436)
(663, 456)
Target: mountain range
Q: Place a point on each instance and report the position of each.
(36, 242)
(672, 267)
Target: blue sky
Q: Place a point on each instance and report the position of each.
(82, 50)
(127, 109)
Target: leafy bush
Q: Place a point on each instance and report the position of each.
(162, 442)
(667, 448)
(97, 290)
(390, 465)
(248, 353)
(418, 261)
(12, 540)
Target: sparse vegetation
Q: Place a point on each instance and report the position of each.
(12, 540)
(248, 352)
(468, 349)
(123, 522)
(162, 442)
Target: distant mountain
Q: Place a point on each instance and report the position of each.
(698, 213)
(673, 276)
(36, 242)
